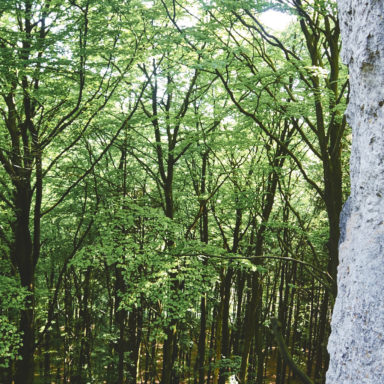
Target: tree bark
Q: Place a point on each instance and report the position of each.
(356, 344)
(23, 258)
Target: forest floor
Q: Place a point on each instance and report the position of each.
(271, 374)
(270, 377)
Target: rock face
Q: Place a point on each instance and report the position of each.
(356, 345)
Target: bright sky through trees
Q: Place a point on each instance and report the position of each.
(275, 20)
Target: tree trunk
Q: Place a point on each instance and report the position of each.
(120, 318)
(218, 331)
(236, 334)
(200, 360)
(23, 258)
(356, 343)
(225, 352)
(249, 326)
(134, 341)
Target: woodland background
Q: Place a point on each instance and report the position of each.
(172, 175)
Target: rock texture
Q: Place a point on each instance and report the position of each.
(356, 345)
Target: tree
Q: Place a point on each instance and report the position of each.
(53, 78)
(312, 102)
(173, 154)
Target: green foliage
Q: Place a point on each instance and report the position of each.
(10, 342)
(178, 140)
(12, 298)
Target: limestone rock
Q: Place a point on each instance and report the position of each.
(356, 345)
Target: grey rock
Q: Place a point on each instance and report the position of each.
(356, 345)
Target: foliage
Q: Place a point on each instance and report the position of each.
(12, 298)
(171, 178)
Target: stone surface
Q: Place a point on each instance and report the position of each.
(356, 345)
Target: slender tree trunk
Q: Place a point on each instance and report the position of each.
(211, 349)
(280, 371)
(218, 332)
(200, 360)
(134, 340)
(236, 334)
(225, 352)
(259, 336)
(249, 326)
(22, 255)
(120, 318)
(84, 367)
(321, 357)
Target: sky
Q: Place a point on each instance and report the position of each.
(277, 21)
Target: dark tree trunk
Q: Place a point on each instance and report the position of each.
(22, 256)
(200, 360)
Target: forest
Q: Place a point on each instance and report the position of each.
(172, 174)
